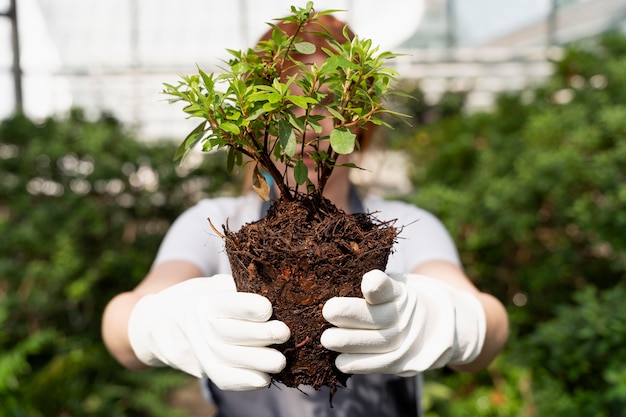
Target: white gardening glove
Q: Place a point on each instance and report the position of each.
(205, 328)
(404, 325)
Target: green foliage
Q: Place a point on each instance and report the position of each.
(83, 208)
(583, 356)
(264, 109)
(534, 192)
(501, 391)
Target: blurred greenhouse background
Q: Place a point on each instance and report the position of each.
(115, 55)
(518, 144)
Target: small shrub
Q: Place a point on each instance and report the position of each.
(534, 193)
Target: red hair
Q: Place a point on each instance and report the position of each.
(312, 31)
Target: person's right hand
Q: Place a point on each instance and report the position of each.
(205, 328)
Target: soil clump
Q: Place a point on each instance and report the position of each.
(301, 254)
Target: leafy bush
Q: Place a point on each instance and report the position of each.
(583, 356)
(83, 208)
(535, 194)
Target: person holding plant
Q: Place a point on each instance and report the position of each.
(421, 313)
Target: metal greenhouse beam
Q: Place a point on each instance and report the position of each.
(15, 44)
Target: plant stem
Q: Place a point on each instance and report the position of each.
(326, 169)
(263, 157)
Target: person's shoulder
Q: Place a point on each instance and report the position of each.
(402, 212)
(213, 206)
(379, 204)
(225, 202)
(236, 210)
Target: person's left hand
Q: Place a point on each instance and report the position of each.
(404, 325)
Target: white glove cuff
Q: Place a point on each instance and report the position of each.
(459, 311)
(471, 328)
(139, 332)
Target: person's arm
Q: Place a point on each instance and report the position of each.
(118, 310)
(497, 328)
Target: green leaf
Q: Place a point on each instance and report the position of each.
(270, 107)
(351, 165)
(233, 115)
(255, 114)
(287, 137)
(305, 48)
(302, 101)
(194, 110)
(207, 79)
(316, 126)
(213, 141)
(342, 140)
(230, 160)
(190, 141)
(335, 113)
(332, 62)
(296, 122)
(230, 128)
(300, 172)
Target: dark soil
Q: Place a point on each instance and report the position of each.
(300, 255)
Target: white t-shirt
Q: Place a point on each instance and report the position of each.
(422, 238)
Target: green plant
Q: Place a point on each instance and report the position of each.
(269, 93)
(291, 105)
(580, 356)
(503, 390)
(534, 193)
(83, 207)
